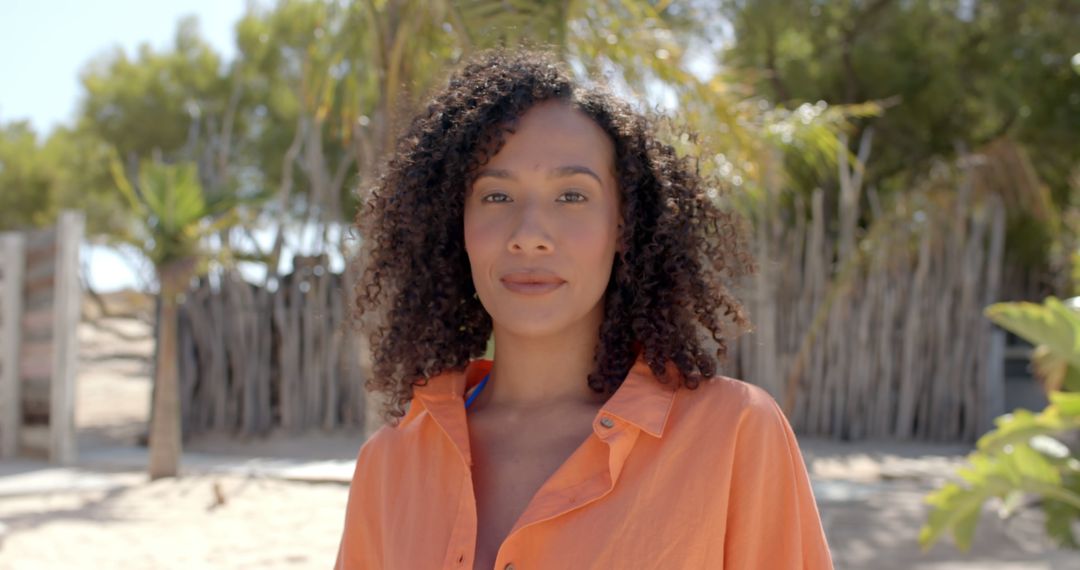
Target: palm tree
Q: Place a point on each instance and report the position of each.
(172, 218)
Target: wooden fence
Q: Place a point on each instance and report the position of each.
(12, 259)
(253, 360)
(882, 337)
(40, 300)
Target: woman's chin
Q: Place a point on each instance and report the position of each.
(534, 327)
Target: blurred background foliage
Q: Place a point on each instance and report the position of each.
(954, 77)
(773, 89)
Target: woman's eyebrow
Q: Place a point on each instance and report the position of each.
(558, 172)
(495, 173)
(571, 170)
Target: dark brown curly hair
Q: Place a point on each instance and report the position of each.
(679, 251)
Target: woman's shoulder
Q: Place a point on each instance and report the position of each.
(383, 442)
(393, 441)
(732, 395)
(375, 446)
(722, 404)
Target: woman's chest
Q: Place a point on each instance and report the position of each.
(580, 500)
(508, 470)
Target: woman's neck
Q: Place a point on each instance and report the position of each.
(530, 373)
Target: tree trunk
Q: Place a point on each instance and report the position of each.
(165, 443)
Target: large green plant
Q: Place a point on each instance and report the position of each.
(1028, 455)
(173, 219)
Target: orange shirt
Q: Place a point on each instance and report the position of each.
(670, 478)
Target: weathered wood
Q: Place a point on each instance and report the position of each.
(288, 349)
(41, 239)
(887, 338)
(886, 386)
(261, 361)
(34, 441)
(34, 399)
(40, 275)
(12, 248)
(68, 305)
(968, 349)
(39, 295)
(37, 324)
(219, 382)
(861, 376)
(40, 303)
(911, 349)
(295, 331)
(994, 394)
(281, 353)
(36, 359)
(40, 247)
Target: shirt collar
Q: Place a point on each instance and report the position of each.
(642, 399)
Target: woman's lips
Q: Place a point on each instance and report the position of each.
(531, 288)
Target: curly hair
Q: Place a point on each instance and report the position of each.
(678, 250)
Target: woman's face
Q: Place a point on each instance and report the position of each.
(541, 223)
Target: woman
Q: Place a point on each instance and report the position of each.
(522, 205)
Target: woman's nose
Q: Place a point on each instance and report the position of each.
(531, 231)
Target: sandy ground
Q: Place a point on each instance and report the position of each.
(176, 524)
(870, 496)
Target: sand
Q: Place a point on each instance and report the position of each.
(176, 523)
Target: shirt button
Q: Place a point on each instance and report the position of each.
(606, 422)
(508, 567)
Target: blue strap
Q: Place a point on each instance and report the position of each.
(476, 392)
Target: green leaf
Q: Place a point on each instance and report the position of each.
(1020, 426)
(1059, 520)
(955, 507)
(964, 528)
(1067, 404)
(124, 185)
(1020, 457)
(1061, 515)
(1051, 324)
(1032, 466)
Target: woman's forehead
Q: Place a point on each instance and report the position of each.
(554, 133)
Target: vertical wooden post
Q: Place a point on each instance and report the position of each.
(765, 336)
(66, 311)
(994, 395)
(12, 252)
(993, 398)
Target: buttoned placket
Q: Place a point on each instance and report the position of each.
(547, 504)
(443, 411)
(620, 438)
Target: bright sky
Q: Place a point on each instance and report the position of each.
(45, 43)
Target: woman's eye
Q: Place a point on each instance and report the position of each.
(571, 196)
(495, 197)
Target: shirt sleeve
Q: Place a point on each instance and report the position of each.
(360, 544)
(773, 521)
